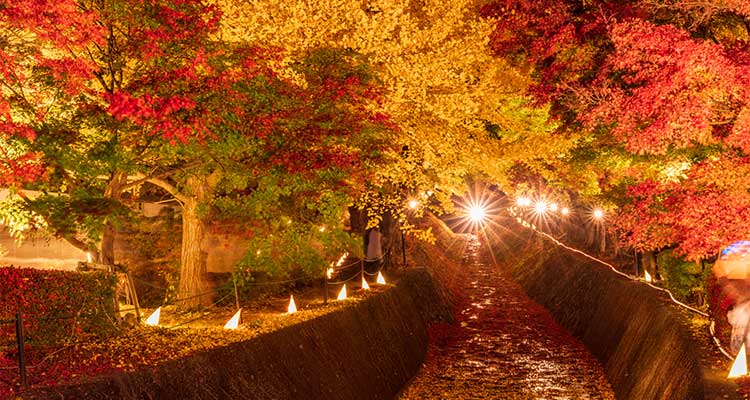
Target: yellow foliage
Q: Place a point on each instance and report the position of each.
(443, 83)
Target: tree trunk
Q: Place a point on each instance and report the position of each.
(194, 287)
(108, 244)
(113, 191)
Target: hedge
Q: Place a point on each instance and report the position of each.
(56, 305)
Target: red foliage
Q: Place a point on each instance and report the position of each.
(702, 213)
(56, 305)
(632, 71)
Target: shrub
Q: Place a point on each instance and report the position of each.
(56, 305)
(686, 280)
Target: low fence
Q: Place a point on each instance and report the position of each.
(366, 351)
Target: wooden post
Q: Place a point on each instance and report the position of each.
(134, 296)
(236, 294)
(325, 287)
(21, 356)
(403, 247)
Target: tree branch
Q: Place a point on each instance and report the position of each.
(170, 188)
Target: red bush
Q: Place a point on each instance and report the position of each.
(56, 305)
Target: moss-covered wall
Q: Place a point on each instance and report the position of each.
(641, 338)
(367, 351)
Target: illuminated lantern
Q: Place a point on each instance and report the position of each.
(234, 322)
(734, 261)
(647, 276)
(364, 284)
(380, 280)
(153, 319)
(342, 293)
(292, 308)
(739, 367)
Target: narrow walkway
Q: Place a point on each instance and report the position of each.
(504, 346)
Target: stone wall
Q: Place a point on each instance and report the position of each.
(641, 338)
(367, 351)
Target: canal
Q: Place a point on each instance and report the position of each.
(503, 345)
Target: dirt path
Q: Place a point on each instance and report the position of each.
(504, 346)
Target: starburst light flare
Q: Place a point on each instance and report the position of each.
(477, 213)
(523, 201)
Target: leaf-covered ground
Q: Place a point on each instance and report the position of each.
(504, 346)
(180, 334)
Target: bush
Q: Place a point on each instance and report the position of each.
(56, 305)
(686, 280)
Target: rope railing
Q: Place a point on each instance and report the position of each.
(357, 267)
(694, 310)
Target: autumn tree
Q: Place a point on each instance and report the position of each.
(460, 111)
(141, 92)
(64, 70)
(658, 91)
(280, 161)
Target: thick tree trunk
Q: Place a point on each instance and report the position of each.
(113, 191)
(108, 244)
(194, 287)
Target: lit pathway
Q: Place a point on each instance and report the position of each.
(504, 346)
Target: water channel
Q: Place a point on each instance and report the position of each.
(504, 346)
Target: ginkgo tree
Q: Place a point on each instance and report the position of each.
(460, 110)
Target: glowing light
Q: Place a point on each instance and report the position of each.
(523, 201)
(329, 272)
(565, 211)
(292, 308)
(553, 207)
(380, 280)
(413, 204)
(88, 257)
(477, 213)
(322, 229)
(598, 213)
(364, 284)
(153, 319)
(739, 366)
(647, 276)
(540, 207)
(341, 260)
(234, 322)
(342, 293)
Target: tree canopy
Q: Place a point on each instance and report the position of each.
(659, 92)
